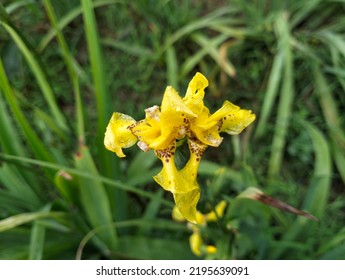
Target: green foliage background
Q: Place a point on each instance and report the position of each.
(67, 65)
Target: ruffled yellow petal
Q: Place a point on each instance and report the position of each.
(186, 193)
(168, 177)
(186, 203)
(118, 134)
(187, 196)
(149, 129)
(194, 97)
(172, 103)
(182, 184)
(206, 130)
(233, 119)
(173, 119)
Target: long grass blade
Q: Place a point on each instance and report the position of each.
(318, 190)
(69, 61)
(37, 239)
(13, 180)
(94, 199)
(23, 218)
(208, 20)
(68, 18)
(109, 165)
(286, 96)
(332, 117)
(37, 146)
(192, 61)
(33, 61)
(8, 135)
(76, 172)
(172, 67)
(225, 65)
(271, 93)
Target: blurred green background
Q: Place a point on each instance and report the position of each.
(66, 65)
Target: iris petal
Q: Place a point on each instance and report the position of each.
(118, 135)
(233, 119)
(195, 93)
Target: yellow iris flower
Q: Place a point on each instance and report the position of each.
(178, 118)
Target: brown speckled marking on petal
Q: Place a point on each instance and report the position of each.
(166, 153)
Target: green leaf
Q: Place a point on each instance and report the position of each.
(20, 219)
(34, 63)
(94, 199)
(37, 239)
(271, 93)
(285, 98)
(318, 191)
(37, 146)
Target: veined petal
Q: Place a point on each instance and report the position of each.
(187, 195)
(182, 184)
(168, 177)
(209, 137)
(196, 149)
(233, 119)
(195, 93)
(186, 203)
(172, 103)
(146, 132)
(118, 134)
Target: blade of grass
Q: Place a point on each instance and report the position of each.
(332, 39)
(71, 70)
(337, 68)
(23, 218)
(303, 11)
(192, 61)
(172, 68)
(34, 141)
(84, 174)
(94, 199)
(318, 190)
(109, 164)
(271, 93)
(213, 18)
(37, 238)
(328, 106)
(68, 18)
(135, 50)
(34, 63)
(8, 135)
(286, 96)
(13, 181)
(334, 242)
(100, 87)
(331, 114)
(226, 66)
(14, 6)
(150, 214)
